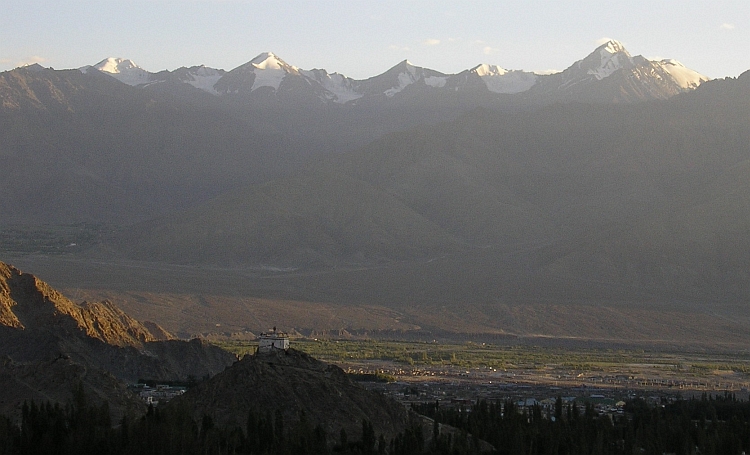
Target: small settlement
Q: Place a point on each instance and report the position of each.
(161, 393)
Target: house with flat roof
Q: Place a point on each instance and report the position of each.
(272, 340)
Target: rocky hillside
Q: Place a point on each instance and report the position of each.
(40, 324)
(291, 382)
(26, 302)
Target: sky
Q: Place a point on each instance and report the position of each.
(361, 39)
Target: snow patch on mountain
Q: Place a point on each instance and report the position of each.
(204, 78)
(613, 57)
(404, 80)
(124, 70)
(413, 74)
(270, 71)
(685, 77)
(340, 87)
(436, 81)
(500, 80)
(489, 70)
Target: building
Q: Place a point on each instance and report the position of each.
(271, 340)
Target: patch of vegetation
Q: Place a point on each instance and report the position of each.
(711, 425)
(52, 239)
(371, 377)
(468, 355)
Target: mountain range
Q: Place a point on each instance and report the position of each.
(267, 75)
(81, 146)
(605, 201)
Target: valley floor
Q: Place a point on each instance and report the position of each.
(424, 372)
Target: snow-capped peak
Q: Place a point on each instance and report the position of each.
(500, 80)
(268, 69)
(613, 47)
(269, 61)
(489, 70)
(406, 74)
(124, 70)
(116, 65)
(612, 57)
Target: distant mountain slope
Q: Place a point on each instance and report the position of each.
(115, 144)
(611, 74)
(566, 177)
(84, 147)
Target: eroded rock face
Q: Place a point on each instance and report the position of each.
(50, 345)
(26, 302)
(291, 382)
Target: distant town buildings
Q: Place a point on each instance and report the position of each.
(160, 393)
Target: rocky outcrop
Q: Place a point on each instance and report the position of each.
(27, 302)
(37, 324)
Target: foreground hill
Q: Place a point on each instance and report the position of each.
(291, 384)
(59, 381)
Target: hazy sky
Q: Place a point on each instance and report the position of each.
(364, 38)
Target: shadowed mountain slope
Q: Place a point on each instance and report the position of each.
(566, 174)
(612, 213)
(292, 383)
(57, 381)
(314, 220)
(85, 147)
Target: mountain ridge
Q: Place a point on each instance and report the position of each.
(268, 70)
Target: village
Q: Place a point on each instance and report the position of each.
(456, 387)
(607, 389)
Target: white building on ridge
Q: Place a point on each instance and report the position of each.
(271, 340)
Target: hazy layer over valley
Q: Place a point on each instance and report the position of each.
(613, 209)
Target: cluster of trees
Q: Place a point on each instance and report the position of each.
(82, 428)
(710, 425)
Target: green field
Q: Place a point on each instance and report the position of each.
(473, 355)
